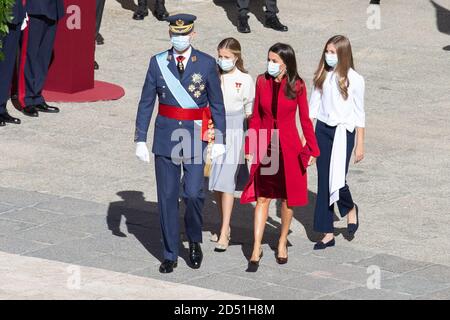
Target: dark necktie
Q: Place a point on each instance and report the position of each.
(180, 64)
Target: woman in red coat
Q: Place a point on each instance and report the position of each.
(273, 145)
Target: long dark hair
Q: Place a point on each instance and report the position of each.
(287, 54)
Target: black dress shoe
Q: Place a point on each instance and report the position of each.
(96, 66)
(161, 14)
(243, 26)
(167, 266)
(320, 245)
(2, 123)
(99, 39)
(274, 23)
(44, 107)
(353, 227)
(30, 111)
(253, 265)
(195, 255)
(140, 14)
(6, 117)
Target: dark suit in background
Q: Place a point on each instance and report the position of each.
(37, 47)
(100, 6)
(271, 8)
(10, 44)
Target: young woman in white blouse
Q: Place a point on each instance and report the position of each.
(238, 91)
(337, 102)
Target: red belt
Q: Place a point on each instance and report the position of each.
(178, 113)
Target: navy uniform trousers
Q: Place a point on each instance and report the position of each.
(324, 214)
(10, 47)
(271, 7)
(37, 49)
(99, 6)
(168, 177)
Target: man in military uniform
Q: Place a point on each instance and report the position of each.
(185, 81)
(272, 20)
(142, 10)
(10, 44)
(36, 53)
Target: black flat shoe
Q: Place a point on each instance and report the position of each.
(275, 24)
(44, 107)
(96, 66)
(253, 265)
(195, 255)
(320, 245)
(353, 227)
(243, 26)
(282, 260)
(6, 117)
(167, 266)
(30, 111)
(2, 123)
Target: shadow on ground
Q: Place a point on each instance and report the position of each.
(442, 20)
(142, 220)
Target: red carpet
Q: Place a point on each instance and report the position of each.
(102, 91)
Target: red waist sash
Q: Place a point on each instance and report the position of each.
(178, 113)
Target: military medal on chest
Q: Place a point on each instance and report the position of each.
(197, 86)
(238, 86)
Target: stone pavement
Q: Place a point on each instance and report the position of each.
(77, 233)
(81, 162)
(40, 279)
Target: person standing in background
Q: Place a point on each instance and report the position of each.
(36, 53)
(271, 11)
(100, 6)
(142, 10)
(10, 45)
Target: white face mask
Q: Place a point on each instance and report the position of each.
(331, 59)
(180, 43)
(274, 69)
(226, 64)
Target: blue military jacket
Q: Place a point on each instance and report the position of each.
(18, 13)
(201, 80)
(52, 9)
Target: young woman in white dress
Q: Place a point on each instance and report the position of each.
(238, 91)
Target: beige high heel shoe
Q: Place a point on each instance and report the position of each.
(223, 247)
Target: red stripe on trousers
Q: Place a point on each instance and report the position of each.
(23, 57)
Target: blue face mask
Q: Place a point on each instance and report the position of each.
(180, 43)
(273, 69)
(331, 59)
(226, 64)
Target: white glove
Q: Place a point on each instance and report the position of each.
(217, 150)
(25, 22)
(142, 152)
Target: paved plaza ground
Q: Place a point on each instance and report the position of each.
(66, 178)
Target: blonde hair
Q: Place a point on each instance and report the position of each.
(345, 62)
(235, 48)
